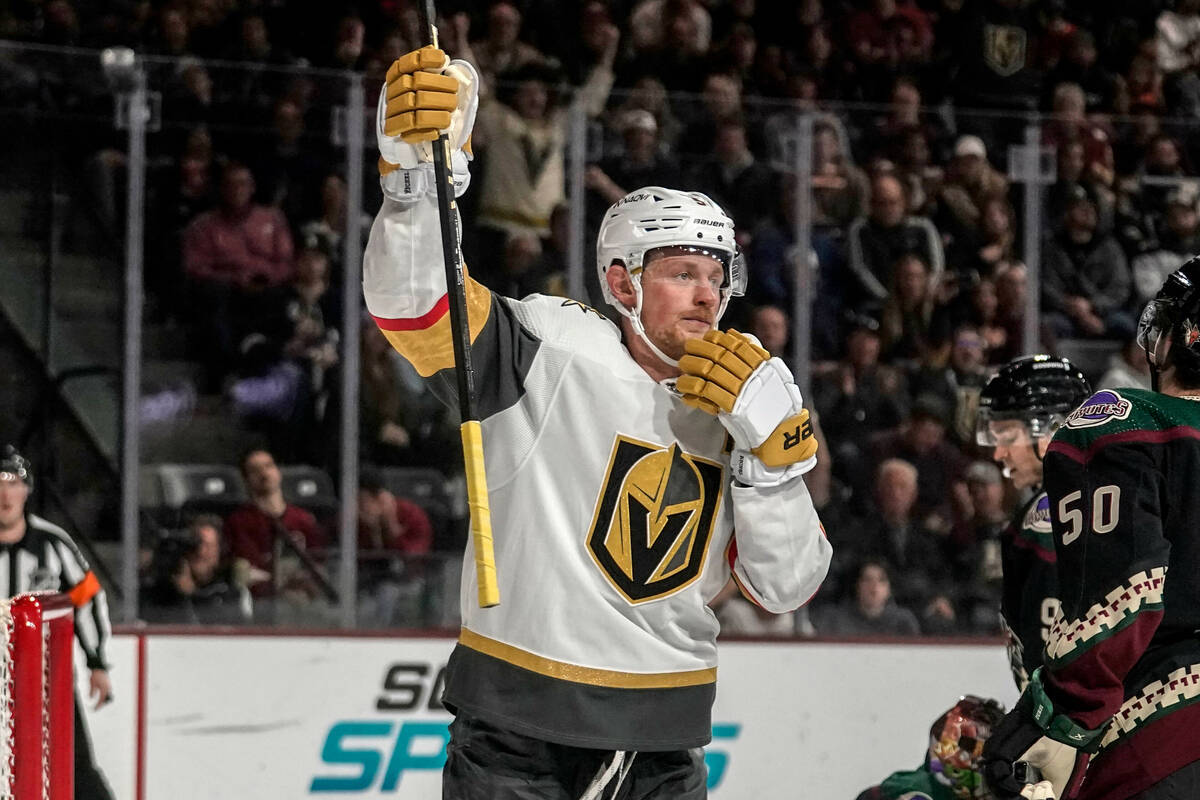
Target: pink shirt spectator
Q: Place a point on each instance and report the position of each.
(240, 243)
(252, 250)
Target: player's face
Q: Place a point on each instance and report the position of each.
(1015, 449)
(13, 493)
(680, 298)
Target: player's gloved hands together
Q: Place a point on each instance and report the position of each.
(1042, 790)
(1031, 733)
(754, 395)
(424, 95)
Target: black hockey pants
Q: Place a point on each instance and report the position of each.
(484, 762)
(89, 781)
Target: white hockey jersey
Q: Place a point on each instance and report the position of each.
(612, 507)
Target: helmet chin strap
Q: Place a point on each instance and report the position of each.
(635, 317)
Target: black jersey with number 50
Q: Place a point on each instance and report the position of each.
(1123, 477)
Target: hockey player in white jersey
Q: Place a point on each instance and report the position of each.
(632, 470)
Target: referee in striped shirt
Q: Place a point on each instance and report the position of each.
(36, 555)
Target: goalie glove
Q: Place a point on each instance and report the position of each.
(424, 95)
(1034, 733)
(754, 396)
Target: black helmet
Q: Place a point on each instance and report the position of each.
(1174, 316)
(13, 463)
(1038, 390)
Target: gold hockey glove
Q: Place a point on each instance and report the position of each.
(729, 374)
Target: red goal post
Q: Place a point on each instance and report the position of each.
(37, 697)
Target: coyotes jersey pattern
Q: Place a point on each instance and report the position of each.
(1123, 654)
(1030, 596)
(612, 507)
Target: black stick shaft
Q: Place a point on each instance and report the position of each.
(456, 291)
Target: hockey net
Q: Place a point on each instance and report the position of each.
(37, 695)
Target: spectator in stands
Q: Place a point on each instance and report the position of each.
(1081, 66)
(519, 274)
(993, 43)
(648, 94)
(275, 536)
(877, 241)
(1178, 241)
(401, 423)
(1085, 278)
(740, 617)
(1011, 288)
(188, 94)
(839, 188)
(872, 611)
(914, 321)
(970, 183)
(502, 51)
(288, 356)
(979, 254)
(1178, 51)
(1164, 165)
(591, 42)
(327, 232)
(720, 102)
(240, 245)
(170, 37)
(290, 164)
(922, 178)
(883, 36)
(742, 186)
(523, 135)
(230, 255)
(955, 377)
(984, 315)
(394, 537)
(348, 44)
(198, 584)
(974, 549)
(1126, 368)
(921, 441)
(671, 40)
(773, 327)
(858, 397)
(642, 161)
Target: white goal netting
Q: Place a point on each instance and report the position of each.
(6, 701)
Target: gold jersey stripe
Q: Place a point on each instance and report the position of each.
(431, 349)
(576, 674)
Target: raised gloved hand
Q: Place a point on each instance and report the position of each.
(1033, 732)
(424, 95)
(729, 374)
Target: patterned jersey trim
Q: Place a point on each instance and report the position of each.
(1069, 639)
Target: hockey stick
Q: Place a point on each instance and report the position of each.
(460, 331)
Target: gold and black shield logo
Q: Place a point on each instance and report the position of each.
(1005, 48)
(654, 518)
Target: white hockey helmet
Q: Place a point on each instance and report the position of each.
(652, 218)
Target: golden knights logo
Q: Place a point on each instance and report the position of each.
(654, 518)
(1004, 48)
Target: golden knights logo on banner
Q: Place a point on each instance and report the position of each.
(654, 518)
(1005, 48)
